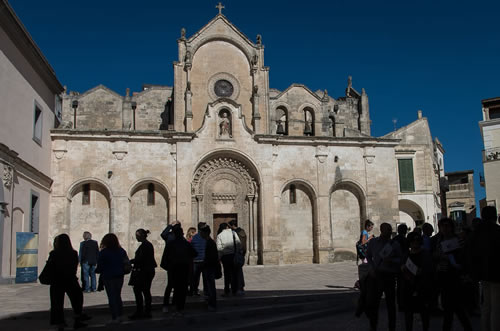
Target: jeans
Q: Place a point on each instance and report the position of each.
(143, 288)
(230, 274)
(89, 271)
(209, 282)
(197, 272)
(376, 285)
(490, 306)
(57, 291)
(113, 288)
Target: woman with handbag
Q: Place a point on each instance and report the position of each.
(60, 273)
(112, 264)
(143, 272)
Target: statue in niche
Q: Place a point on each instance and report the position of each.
(224, 125)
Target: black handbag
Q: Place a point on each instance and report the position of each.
(47, 275)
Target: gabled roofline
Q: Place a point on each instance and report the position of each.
(406, 127)
(224, 18)
(297, 85)
(100, 86)
(21, 38)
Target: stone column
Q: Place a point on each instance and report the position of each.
(199, 209)
(255, 110)
(188, 111)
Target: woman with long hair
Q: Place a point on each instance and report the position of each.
(63, 261)
(110, 265)
(142, 275)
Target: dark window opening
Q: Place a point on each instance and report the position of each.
(86, 194)
(151, 195)
(37, 125)
(293, 194)
(494, 113)
(35, 213)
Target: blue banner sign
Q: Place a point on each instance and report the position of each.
(26, 257)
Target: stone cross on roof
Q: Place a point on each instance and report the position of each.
(220, 7)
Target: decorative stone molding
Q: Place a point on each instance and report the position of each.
(119, 155)
(210, 166)
(8, 176)
(223, 76)
(369, 158)
(59, 153)
(223, 197)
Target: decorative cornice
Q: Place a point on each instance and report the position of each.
(326, 141)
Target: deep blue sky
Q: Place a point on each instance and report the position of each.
(439, 56)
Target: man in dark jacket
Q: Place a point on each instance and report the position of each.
(89, 250)
(485, 244)
(243, 239)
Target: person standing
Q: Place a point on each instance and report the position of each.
(180, 254)
(485, 248)
(384, 258)
(243, 251)
(143, 272)
(416, 282)
(227, 244)
(450, 263)
(110, 264)
(210, 265)
(167, 235)
(63, 263)
(89, 251)
(199, 244)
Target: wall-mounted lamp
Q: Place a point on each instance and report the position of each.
(110, 173)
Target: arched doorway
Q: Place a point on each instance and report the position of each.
(89, 210)
(347, 214)
(298, 223)
(411, 214)
(225, 186)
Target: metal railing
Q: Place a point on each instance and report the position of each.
(459, 187)
(491, 154)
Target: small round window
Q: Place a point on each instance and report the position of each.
(223, 88)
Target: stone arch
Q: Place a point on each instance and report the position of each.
(299, 223)
(410, 213)
(347, 215)
(281, 114)
(153, 217)
(226, 185)
(309, 121)
(96, 216)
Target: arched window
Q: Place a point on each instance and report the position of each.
(293, 194)
(86, 194)
(151, 194)
(308, 122)
(282, 121)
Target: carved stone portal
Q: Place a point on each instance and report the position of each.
(225, 186)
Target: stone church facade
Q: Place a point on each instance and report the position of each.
(298, 169)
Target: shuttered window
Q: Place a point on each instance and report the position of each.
(406, 181)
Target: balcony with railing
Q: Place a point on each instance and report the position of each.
(459, 187)
(491, 154)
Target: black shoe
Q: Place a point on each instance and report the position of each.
(135, 316)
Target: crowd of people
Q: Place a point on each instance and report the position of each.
(456, 272)
(187, 259)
